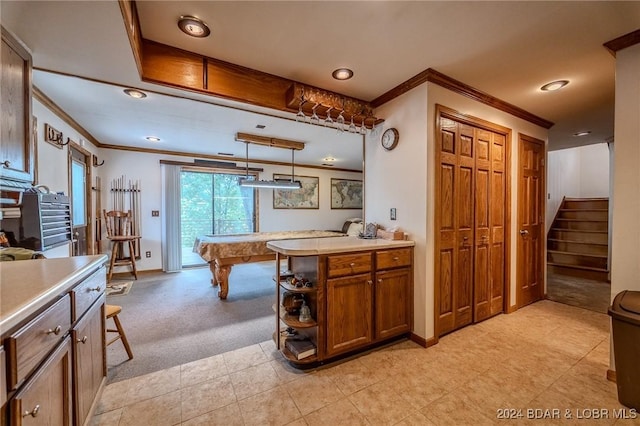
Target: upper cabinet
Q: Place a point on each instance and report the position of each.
(17, 148)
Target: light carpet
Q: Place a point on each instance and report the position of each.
(173, 319)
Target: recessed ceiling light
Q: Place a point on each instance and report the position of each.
(153, 139)
(585, 133)
(329, 159)
(134, 93)
(342, 74)
(554, 85)
(195, 27)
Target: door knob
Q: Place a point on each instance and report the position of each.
(524, 232)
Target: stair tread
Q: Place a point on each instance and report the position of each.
(576, 242)
(584, 210)
(579, 230)
(586, 199)
(604, 256)
(588, 268)
(571, 219)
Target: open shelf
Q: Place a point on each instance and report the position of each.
(285, 285)
(292, 321)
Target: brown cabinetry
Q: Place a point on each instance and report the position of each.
(89, 367)
(362, 298)
(45, 399)
(55, 363)
(17, 151)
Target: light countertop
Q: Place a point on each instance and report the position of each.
(26, 286)
(316, 246)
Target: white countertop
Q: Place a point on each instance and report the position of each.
(316, 246)
(26, 286)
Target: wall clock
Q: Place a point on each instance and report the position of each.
(390, 138)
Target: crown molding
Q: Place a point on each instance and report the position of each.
(622, 42)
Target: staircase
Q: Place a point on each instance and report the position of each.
(577, 243)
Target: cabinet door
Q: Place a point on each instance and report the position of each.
(45, 399)
(17, 151)
(349, 313)
(393, 303)
(88, 355)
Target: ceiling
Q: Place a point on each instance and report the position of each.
(83, 60)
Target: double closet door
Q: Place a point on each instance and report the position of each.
(471, 202)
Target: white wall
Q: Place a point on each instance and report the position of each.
(404, 178)
(52, 162)
(581, 172)
(145, 167)
(625, 261)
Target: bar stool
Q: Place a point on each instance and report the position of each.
(112, 311)
(119, 232)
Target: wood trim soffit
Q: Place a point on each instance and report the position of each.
(433, 76)
(47, 102)
(132, 25)
(622, 42)
(222, 158)
(214, 165)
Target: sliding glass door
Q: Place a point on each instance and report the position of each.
(212, 203)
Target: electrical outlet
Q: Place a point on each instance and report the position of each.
(148, 254)
(392, 213)
(155, 213)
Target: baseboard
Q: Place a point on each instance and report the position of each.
(425, 343)
(611, 376)
(511, 309)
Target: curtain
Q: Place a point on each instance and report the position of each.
(171, 233)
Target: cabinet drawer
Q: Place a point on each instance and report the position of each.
(387, 259)
(45, 399)
(28, 346)
(84, 294)
(348, 264)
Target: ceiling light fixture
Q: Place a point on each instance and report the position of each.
(135, 93)
(584, 133)
(554, 85)
(329, 159)
(153, 139)
(342, 74)
(247, 182)
(195, 27)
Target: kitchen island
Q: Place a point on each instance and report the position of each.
(341, 295)
(52, 347)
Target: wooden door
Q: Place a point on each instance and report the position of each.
(349, 306)
(530, 220)
(393, 313)
(489, 254)
(81, 199)
(454, 225)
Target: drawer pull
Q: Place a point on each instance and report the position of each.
(55, 331)
(396, 258)
(6, 163)
(83, 340)
(32, 413)
(98, 289)
(352, 264)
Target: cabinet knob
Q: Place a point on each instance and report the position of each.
(6, 163)
(32, 413)
(369, 282)
(352, 264)
(83, 340)
(98, 289)
(55, 331)
(380, 280)
(396, 258)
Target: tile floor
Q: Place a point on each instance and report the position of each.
(544, 356)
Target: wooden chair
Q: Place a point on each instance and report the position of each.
(119, 227)
(112, 311)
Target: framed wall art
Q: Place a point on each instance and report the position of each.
(346, 194)
(306, 197)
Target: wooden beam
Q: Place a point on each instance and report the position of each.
(267, 141)
(622, 42)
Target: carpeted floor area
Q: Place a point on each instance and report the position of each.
(173, 319)
(581, 292)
